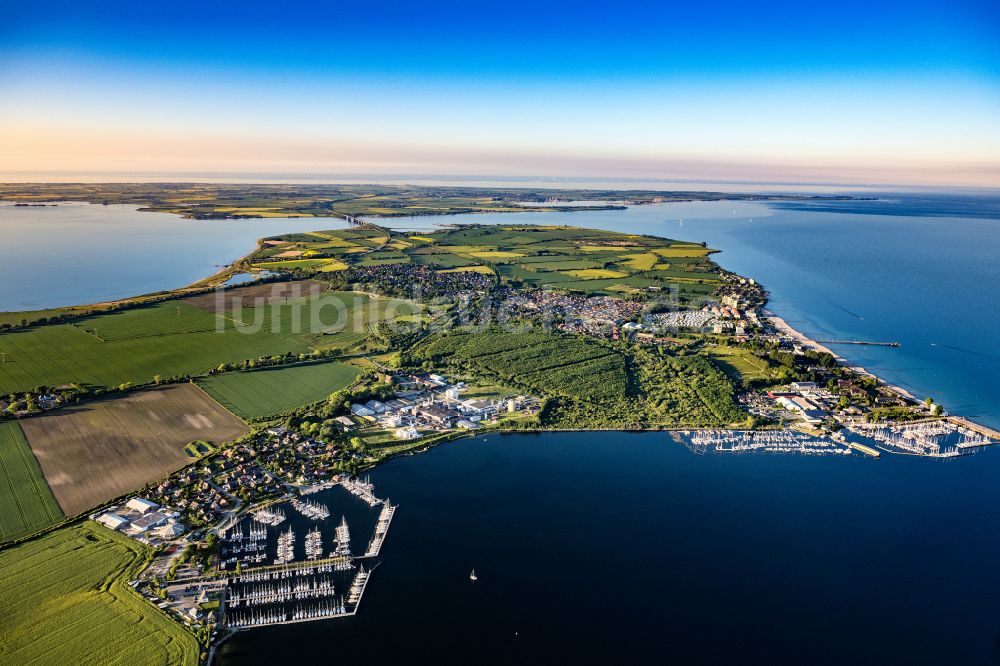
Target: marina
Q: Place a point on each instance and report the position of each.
(311, 509)
(936, 439)
(760, 441)
(287, 595)
(269, 516)
(279, 572)
(342, 539)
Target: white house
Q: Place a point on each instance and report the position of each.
(407, 433)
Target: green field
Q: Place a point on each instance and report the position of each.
(53, 355)
(176, 338)
(593, 385)
(271, 391)
(570, 366)
(65, 600)
(26, 503)
(564, 258)
(742, 363)
(162, 319)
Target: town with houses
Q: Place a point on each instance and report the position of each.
(254, 536)
(231, 552)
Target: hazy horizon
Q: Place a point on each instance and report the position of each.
(894, 94)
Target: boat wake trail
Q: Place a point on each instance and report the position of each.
(971, 352)
(842, 308)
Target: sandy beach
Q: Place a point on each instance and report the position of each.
(785, 329)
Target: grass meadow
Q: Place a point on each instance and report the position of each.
(273, 390)
(185, 337)
(26, 503)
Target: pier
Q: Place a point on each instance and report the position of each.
(859, 342)
(381, 528)
(342, 538)
(975, 427)
(363, 489)
(311, 509)
(867, 450)
(289, 594)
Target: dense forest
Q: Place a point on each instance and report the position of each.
(589, 383)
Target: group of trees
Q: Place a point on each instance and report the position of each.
(589, 383)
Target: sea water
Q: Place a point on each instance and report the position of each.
(628, 548)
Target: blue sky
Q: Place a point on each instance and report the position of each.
(847, 91)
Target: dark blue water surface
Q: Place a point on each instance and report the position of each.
(617, 548)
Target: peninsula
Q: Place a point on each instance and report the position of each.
(213, 440)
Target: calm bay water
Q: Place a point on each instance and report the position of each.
(628, 548)
(78, 253)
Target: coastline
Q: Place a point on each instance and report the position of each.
(805, 341)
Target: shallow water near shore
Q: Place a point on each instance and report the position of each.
(79, 253)
(619, 547)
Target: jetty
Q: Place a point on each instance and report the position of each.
(381, 528)
(311, 509)
(342, 539)
(859, 342)
(975, 427)
(286, 547)
(358, 587)
(314, 544)
(363, 489)
(269, 516)
(867, 450)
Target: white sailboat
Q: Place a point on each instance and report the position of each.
(472, 576)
